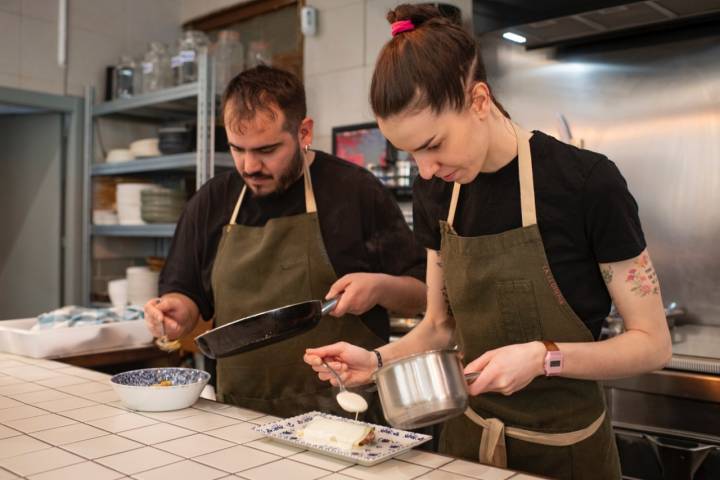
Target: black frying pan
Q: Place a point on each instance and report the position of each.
(263, 328)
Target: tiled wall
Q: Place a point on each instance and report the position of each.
(339, 60)
(99, 31)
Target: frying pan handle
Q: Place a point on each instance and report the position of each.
(202, 344)
(329, 305)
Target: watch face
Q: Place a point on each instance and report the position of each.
(553, 363)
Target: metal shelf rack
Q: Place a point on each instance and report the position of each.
(195, 100)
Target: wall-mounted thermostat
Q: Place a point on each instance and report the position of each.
(308, 21)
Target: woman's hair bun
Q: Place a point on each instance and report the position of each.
(416, 13)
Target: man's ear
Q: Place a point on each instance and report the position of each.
(306, 132)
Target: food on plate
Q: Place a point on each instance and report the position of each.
(337, 433)
(163, 383)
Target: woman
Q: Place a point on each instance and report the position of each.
(529, 240)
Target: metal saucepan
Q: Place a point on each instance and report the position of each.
(423, 389)
(263, 328)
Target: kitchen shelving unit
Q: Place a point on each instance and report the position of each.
(197, 101)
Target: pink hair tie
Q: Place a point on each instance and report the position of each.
(401, 26)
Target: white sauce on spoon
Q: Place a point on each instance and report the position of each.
(351, 402)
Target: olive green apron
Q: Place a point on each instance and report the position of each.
(502, 292)
(262, 268)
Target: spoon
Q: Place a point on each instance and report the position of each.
(348, 401)
(163, 343)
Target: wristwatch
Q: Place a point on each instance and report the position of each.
(553, 359)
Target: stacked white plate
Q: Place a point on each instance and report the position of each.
(142, 285)
(128, 202)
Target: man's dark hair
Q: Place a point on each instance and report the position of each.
(258, 90)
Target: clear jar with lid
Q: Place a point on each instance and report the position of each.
(156, 73)
(259, 54)
(127, 78)
(229, 58)
(185, 62)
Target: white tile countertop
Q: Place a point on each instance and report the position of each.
(61, 422)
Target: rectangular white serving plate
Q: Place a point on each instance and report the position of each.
(17, 337)
(388, 443)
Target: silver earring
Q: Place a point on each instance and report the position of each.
(307, 148)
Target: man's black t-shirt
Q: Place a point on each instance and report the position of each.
(361, 224)
(585, 213)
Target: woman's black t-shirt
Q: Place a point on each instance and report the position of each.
(586, 216)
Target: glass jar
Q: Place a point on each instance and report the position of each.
(259, 54)
(229, 58)
(185, 62)
(127, 78)
(156, 68)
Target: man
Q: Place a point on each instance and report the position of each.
(290, 225)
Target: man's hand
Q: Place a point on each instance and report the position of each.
(360, 293)
(175, 311)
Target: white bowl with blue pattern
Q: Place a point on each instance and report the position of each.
(144, 390)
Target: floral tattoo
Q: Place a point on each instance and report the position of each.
(643, 279)
(449, 311)
(607, 274)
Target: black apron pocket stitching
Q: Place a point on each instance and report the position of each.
(519, 316)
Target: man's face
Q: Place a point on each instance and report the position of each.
(267, 156)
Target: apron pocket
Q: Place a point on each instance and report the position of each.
(519, 317)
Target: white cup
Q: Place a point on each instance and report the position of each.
(142, 285)
(118, 292)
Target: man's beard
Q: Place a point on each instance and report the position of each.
(286, 179)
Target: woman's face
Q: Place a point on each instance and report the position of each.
(450, 145)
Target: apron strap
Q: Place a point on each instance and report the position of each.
(525, 172)
(310, 205)
(453, 204)
(527, 186)
(237, 206)
(492, 443)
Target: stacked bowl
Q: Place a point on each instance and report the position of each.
(128, 201)
(161, 205)
(142, 285)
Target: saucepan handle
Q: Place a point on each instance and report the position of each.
(329, 305)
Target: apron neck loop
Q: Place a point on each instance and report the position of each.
(453, 204)
(310, 205)
(237, 206)
(525, 173)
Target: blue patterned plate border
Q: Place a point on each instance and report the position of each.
(388, 443)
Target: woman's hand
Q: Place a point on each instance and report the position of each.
(507, 369)
(355, 365)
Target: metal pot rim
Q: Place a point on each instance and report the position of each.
(412, 356)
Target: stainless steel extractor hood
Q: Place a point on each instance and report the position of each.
(554, 22)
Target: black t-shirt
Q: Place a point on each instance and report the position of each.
(585, 213)
(361, 224)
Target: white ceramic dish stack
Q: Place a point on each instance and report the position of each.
(142, 285)
(129, 203)
(119, 155)
(147, 147)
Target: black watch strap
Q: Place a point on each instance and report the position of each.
(379, 359)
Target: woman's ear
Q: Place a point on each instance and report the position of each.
(480, 100)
